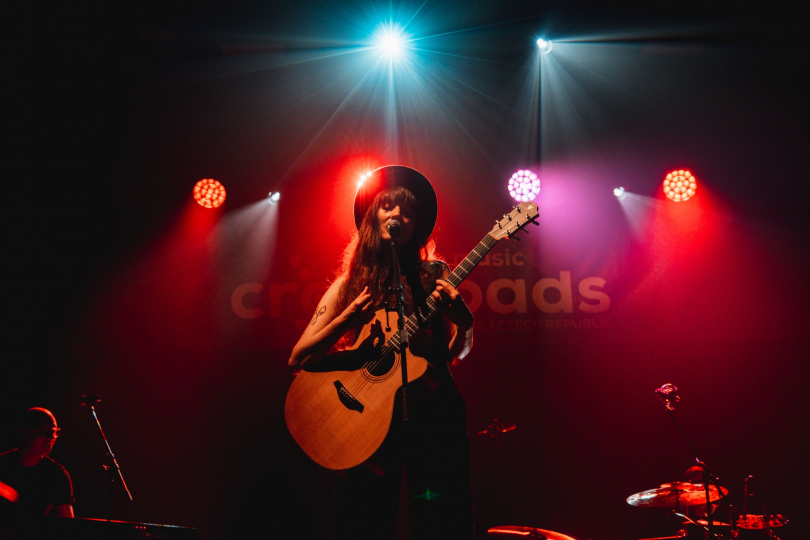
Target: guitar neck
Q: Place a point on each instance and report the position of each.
(417, 320)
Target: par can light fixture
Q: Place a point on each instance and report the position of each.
(680, 185)
(209, 193)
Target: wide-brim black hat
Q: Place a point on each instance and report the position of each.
(396, 176)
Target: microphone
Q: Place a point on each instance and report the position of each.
(89, 400)
(668, 394)
(393, 227)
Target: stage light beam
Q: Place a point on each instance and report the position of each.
(273, 197)
(545, 46)
(619, 192)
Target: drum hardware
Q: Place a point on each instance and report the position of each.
(516, 531)
(496, 429)
(668, 394)
(716, 523)
(675, 495)
(765, 521)
(752, 521)
(685, 494)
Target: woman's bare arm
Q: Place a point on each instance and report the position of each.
(327, 327)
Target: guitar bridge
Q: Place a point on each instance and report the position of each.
(346, 397)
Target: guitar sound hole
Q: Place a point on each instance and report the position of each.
(383, 365)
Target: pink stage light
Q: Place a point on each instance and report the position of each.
(209, 193)
(680, 185)
(524, 186)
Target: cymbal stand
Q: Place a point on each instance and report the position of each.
(767, 518)
(668, 394)
(113, 466)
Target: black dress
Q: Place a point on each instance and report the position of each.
(436, 463)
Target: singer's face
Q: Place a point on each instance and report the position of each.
(401, 212)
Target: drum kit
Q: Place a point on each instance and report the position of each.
(681, 497)
(678, 496)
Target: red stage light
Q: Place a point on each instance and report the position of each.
(680, 185)
(209, 193)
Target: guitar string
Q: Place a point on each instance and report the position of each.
(359, 382)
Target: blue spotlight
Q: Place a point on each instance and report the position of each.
(545, 46)
(273, 197)
(390, 40)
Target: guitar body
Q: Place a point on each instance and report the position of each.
(342, 418)
(341, 411)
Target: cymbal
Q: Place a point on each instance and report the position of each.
(760, 522)
(516, 531)
(674, 494)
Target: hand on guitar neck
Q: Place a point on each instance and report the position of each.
(452, 305)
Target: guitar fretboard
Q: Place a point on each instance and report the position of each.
(417, 321)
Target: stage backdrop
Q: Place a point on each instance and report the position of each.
(183, 318)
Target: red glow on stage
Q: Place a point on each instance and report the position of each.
(680, 185)
(209, 193)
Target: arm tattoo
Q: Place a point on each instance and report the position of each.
(321, 311)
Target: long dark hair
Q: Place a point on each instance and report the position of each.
(368, 262)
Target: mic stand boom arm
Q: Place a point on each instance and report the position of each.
(668, 394)
(112, 468)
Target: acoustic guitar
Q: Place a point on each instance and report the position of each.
(341, 415)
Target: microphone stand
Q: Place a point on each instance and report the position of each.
(402, 326)
(668, 394)
(113, 467)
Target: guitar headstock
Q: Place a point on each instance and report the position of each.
(515, 221)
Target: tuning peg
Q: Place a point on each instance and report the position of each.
(498, 223)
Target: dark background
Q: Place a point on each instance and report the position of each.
(119, 285)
